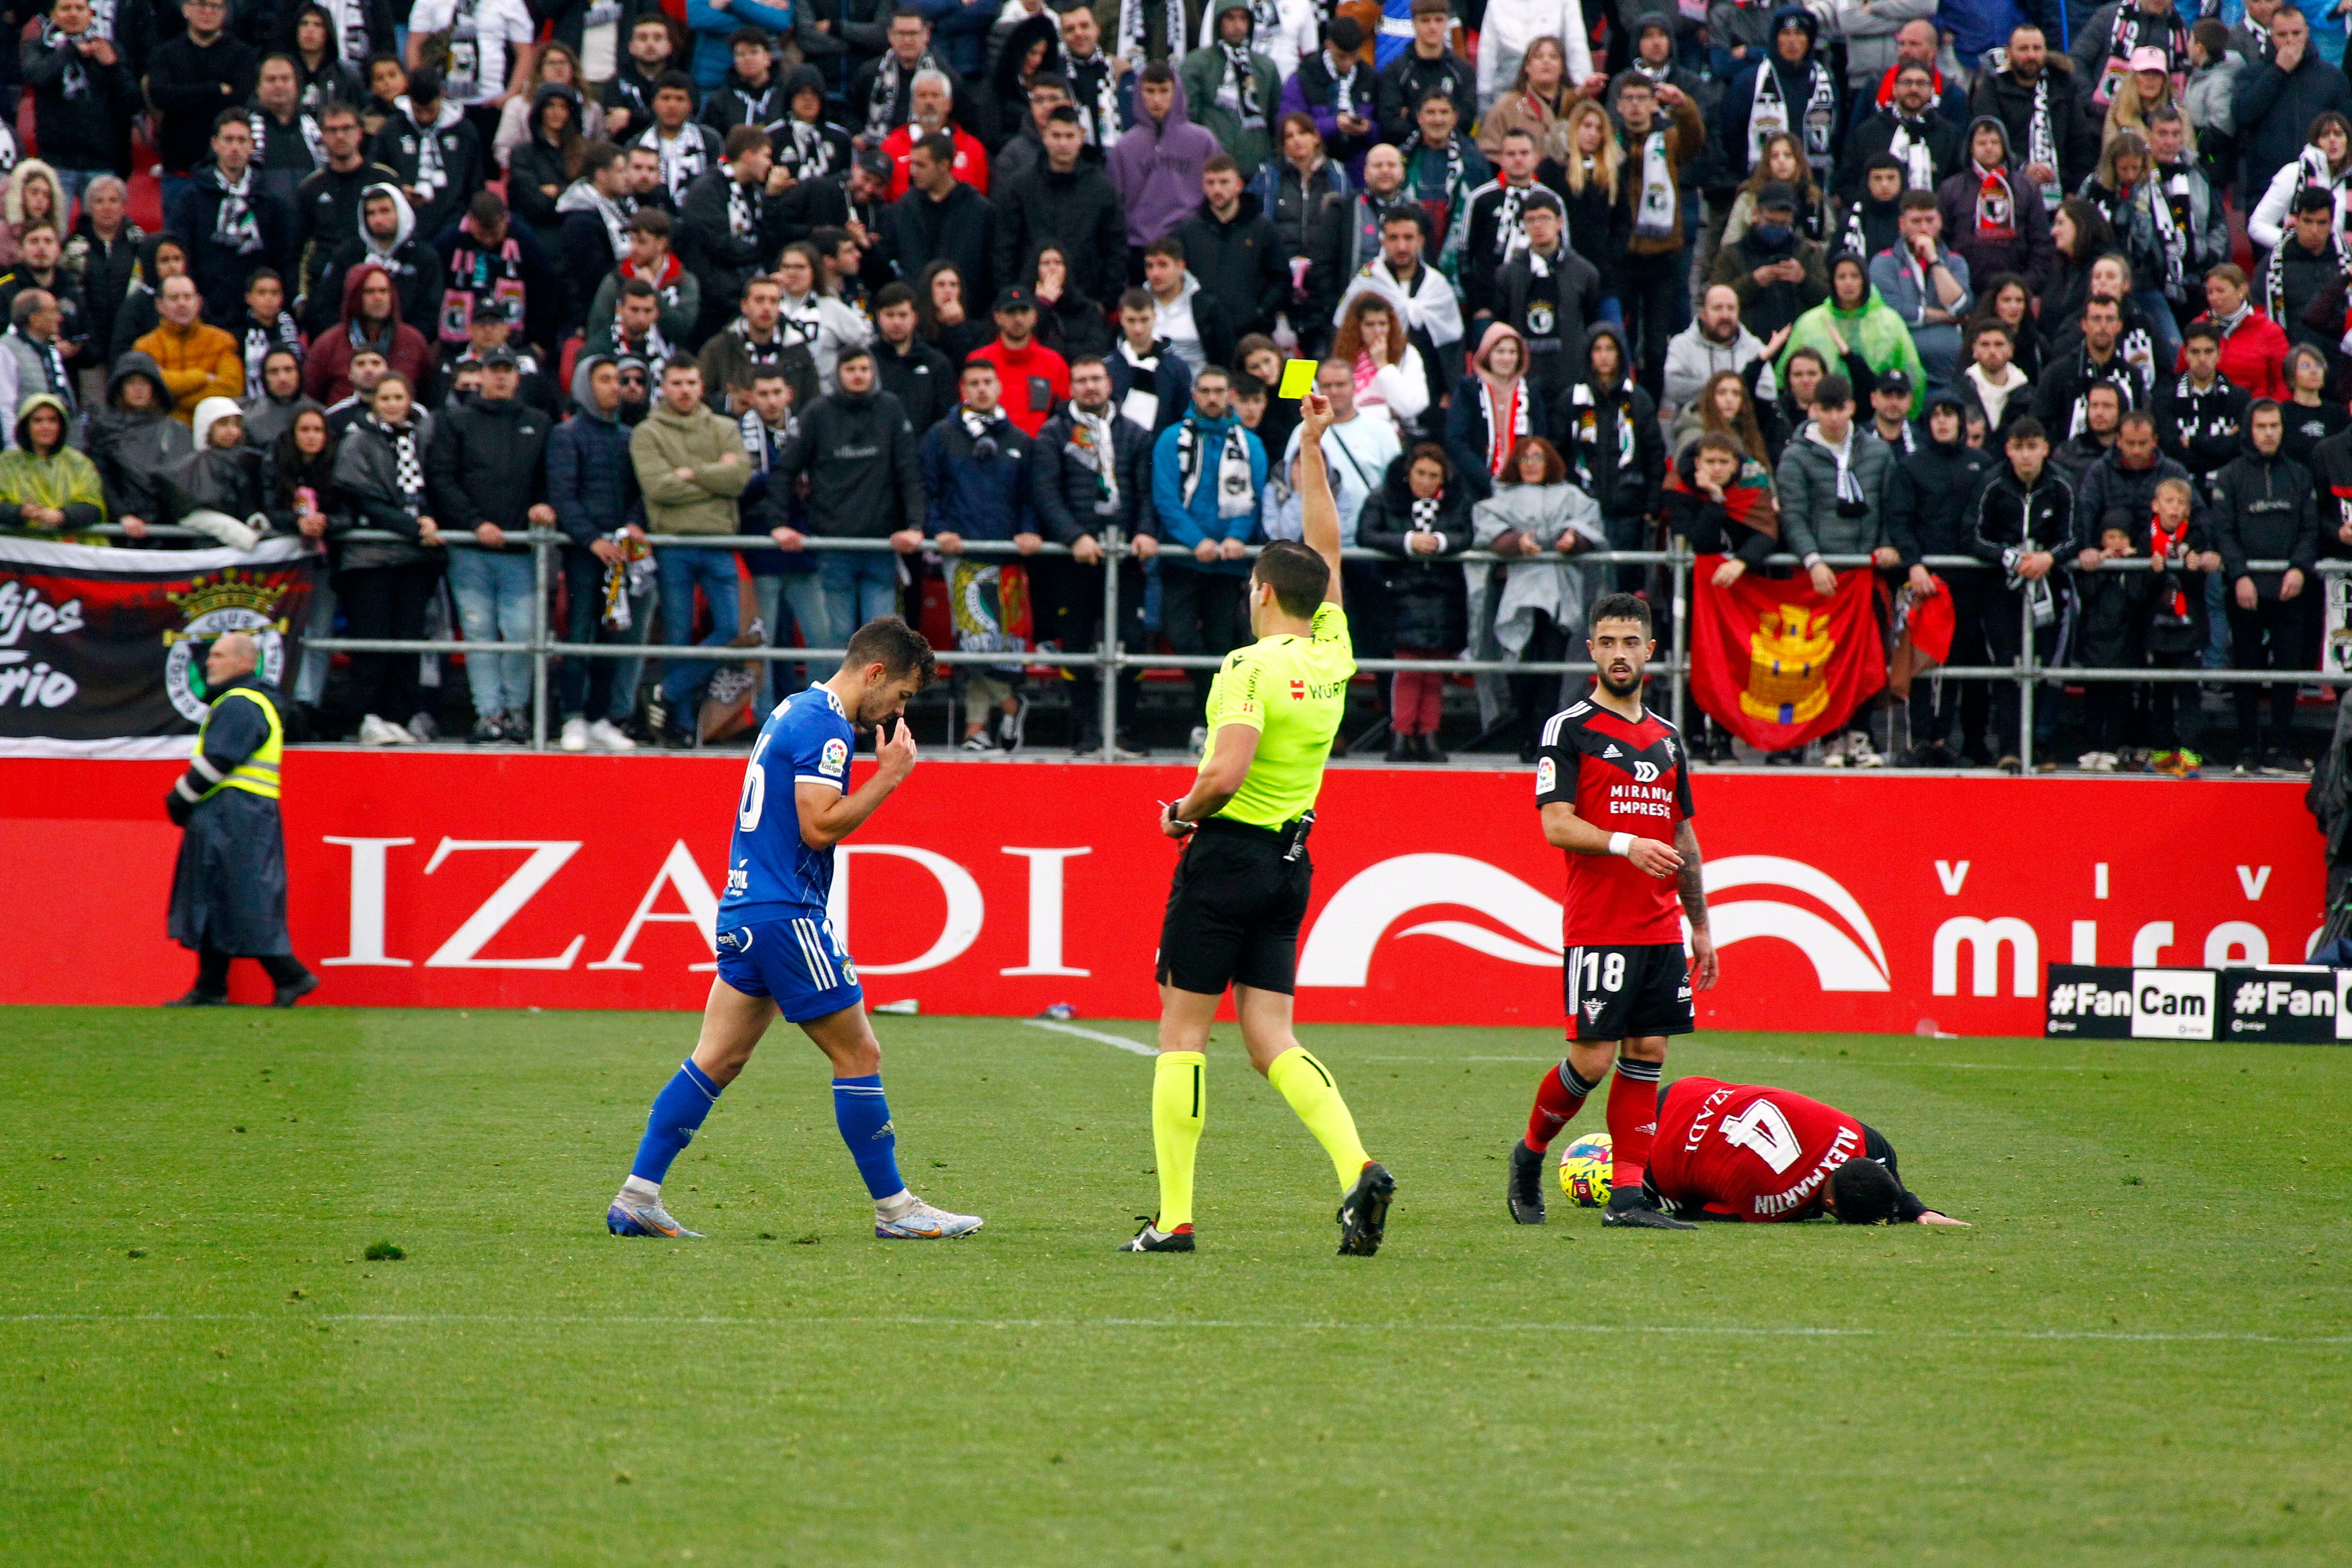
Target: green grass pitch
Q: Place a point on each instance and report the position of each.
(2143, 1354)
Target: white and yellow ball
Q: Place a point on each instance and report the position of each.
(1584, 1171)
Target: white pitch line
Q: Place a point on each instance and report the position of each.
(1712, 1330)
(1095, 1035)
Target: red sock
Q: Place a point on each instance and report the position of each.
(1632, 1123)
(1559, 1098)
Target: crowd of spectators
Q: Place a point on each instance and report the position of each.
(2043, 285)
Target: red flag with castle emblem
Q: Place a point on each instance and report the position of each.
(1777, 664)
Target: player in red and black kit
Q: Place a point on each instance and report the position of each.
(1614, 784)
(1742, 1151)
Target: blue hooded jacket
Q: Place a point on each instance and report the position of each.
(1183, 527)
(714, 57)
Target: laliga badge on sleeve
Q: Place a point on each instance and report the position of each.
(1298, 378)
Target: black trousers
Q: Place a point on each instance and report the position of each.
(386, 602)
(1651, 290)
(2268, 637)
(1202, 612)
(1932, 710)
(1534, 696)
(2177, 708)
(1066, 604)
(212, 970)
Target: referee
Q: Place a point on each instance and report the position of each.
(1242, 880)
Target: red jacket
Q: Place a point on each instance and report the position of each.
(2253, 355)
(971, 159)
(327, 374)
(1035, 382)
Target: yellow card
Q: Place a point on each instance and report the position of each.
(1298, 378)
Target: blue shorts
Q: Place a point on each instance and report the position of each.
(798, 962)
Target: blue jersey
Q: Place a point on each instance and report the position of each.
(769, 870)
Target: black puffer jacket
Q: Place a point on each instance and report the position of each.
(487, 463)
(1065, 486)
(537, 163)
(1425, 591)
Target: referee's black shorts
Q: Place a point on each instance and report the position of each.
(1234, 909)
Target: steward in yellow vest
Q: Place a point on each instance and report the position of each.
(228, 891)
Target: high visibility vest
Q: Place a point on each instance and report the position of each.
(257, 775)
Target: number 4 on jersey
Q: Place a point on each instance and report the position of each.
(1764, 1133)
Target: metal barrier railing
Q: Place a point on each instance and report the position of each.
(1109, 656)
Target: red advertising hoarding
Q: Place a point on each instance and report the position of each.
(1867, 901)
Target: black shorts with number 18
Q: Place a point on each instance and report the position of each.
(1623, 993)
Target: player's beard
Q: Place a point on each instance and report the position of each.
(1629, 686)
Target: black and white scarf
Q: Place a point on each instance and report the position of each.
(800, 320)
(1097, 451)
(350, 19)
(432, 174)
(810, 153)
(683, 156)
(307, 128)
(1769, 111)
(407, 462)
(758, 353)
(260, 339)
(882, 98)
(75, 82)
(2163, 188)
(1236, 495)
(1233, 92)
(234, 228)
(1094, 86)
(1909, 147)
(2041, 140)
(1135, 30)
(55, 382)
(1343, 83)
(2273, 287)
(742, 221)
(1424, 514)
(760, 443)
(1849, 484)
(614, 215)
(978, 424)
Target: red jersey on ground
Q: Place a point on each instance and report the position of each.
(1623, 776)
(1762, 1154)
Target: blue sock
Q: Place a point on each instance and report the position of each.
(679, 1110)
(864, 1118)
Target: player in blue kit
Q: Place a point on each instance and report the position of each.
(777, 953)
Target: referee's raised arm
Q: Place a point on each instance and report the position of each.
(1319, 513)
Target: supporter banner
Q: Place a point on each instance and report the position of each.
(1882, 901)
(2284, 1004)
(102, 651)
(1775, 663)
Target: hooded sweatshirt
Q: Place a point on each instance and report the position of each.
(591, 482)
(132, 447)
(860, 454)
(326, 374)
(1929, 491)
(1241, 115)
(1157, 169)
(415, 267)
(1803, 96)
(1993, 218)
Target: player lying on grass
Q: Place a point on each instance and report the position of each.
(777, 950)
(1743, 1151)
(1242, 879)
(1612, 781)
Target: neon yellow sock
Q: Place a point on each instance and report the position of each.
(1180, 1105)
(1306, 1084)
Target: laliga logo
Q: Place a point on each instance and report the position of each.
(1339, 951)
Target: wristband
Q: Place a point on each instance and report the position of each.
(1620, 844)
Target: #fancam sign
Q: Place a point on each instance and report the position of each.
(2289, 1004)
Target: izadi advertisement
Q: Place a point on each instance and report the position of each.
(1880, 903)
(102, 650)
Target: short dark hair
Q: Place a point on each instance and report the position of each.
(1916, 201)
(255, 275)
(898, 647)
(891, 294)
(1223, 164)
(1063, 114)
(2141, 419)
(1133, 299)
(639, 288)
(2312, 199)
(1623, 607)
(1054, 81)
(1833, 391)
(598, 156)
(939, 145)
(2026, 429)
(486, 207)
(1168, 245)
(748, 37)
(1866, 1192)
(679, 361)
(1156, 73)
(1403, 215)
(1883, 161)
(2262, 406)
(855, 351)
(2205, 330)
(975, 361)
(424, 86)
(650, 220)
(1298, 576)
(1083, 359)
(742, 139)
(228, 117)
(334, 109)
(672, 81)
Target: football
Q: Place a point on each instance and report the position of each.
(1584, 1171)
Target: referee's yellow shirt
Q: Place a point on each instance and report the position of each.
(1292, 691)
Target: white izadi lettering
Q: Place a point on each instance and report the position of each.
(547, 858)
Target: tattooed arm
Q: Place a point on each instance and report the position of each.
(1689, 884)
